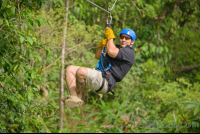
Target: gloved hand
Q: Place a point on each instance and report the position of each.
(109, 33)
(102, 43)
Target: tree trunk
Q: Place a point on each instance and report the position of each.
(61, 106)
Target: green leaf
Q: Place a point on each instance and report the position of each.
(38, 58)
(37, 23)
(91, 121)
(1, 21)
(5, 15)
(49, 22)
(197, 110)
(4, 4)
(29, 14)
(16, 67)
(75, 118)
(24, 53)
(33, 75)
(11, 11)
(24, 27)
(7, 22)
(30, 21)
(90, 115)
(21, 38)
(57, 63)
(30, 96)
(189, 106)
(41, 20)
(30, 40)
(1, 34)
(35, 89)
(102, 102)
(22, 106)
(7, 34)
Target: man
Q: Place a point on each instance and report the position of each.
(121, 58)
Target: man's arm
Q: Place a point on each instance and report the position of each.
(100, 47)
(111, 48)
(98, 53)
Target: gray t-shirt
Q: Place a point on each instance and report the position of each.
(120, 65)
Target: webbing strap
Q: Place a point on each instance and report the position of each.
(101, 85)
(100, 66)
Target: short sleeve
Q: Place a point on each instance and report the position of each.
(126, 54)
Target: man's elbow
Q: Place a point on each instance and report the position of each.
(97, 57)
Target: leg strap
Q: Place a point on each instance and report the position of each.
(101, 86)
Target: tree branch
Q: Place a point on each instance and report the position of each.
(67, 51)
(2, 85)
(185, 68)
(21, 3)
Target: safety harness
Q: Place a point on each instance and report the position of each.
(100, 66)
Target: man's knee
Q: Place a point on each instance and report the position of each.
(82, 72)
(71, 69)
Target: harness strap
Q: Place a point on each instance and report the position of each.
(101, 86)
(113, 93)
(100, 66)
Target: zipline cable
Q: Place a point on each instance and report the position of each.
(103, 8)
(98, 6)
(113, 5)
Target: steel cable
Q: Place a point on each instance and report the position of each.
(101, 7)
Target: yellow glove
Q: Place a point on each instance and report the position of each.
(102, 43)
(109, 33)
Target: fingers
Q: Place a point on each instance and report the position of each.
(102, 43)
(109, 33)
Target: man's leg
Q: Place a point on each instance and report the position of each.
(75, 78)
(81, 75)
(71, 78)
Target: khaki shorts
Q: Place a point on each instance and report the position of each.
(94, 81)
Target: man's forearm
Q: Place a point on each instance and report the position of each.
(110, 45)
(98, 53)
(111, 48)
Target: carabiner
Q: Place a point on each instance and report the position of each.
(109, 22)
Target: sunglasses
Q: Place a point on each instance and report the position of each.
(126, 37)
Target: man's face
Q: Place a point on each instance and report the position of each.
(125, 40)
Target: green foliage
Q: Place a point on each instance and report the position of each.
(20, 101)
(31, 35)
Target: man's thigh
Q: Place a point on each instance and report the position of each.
(94, 81)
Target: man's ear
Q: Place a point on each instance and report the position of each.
(132, 42)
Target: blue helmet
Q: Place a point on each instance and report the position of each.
(129, 32)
